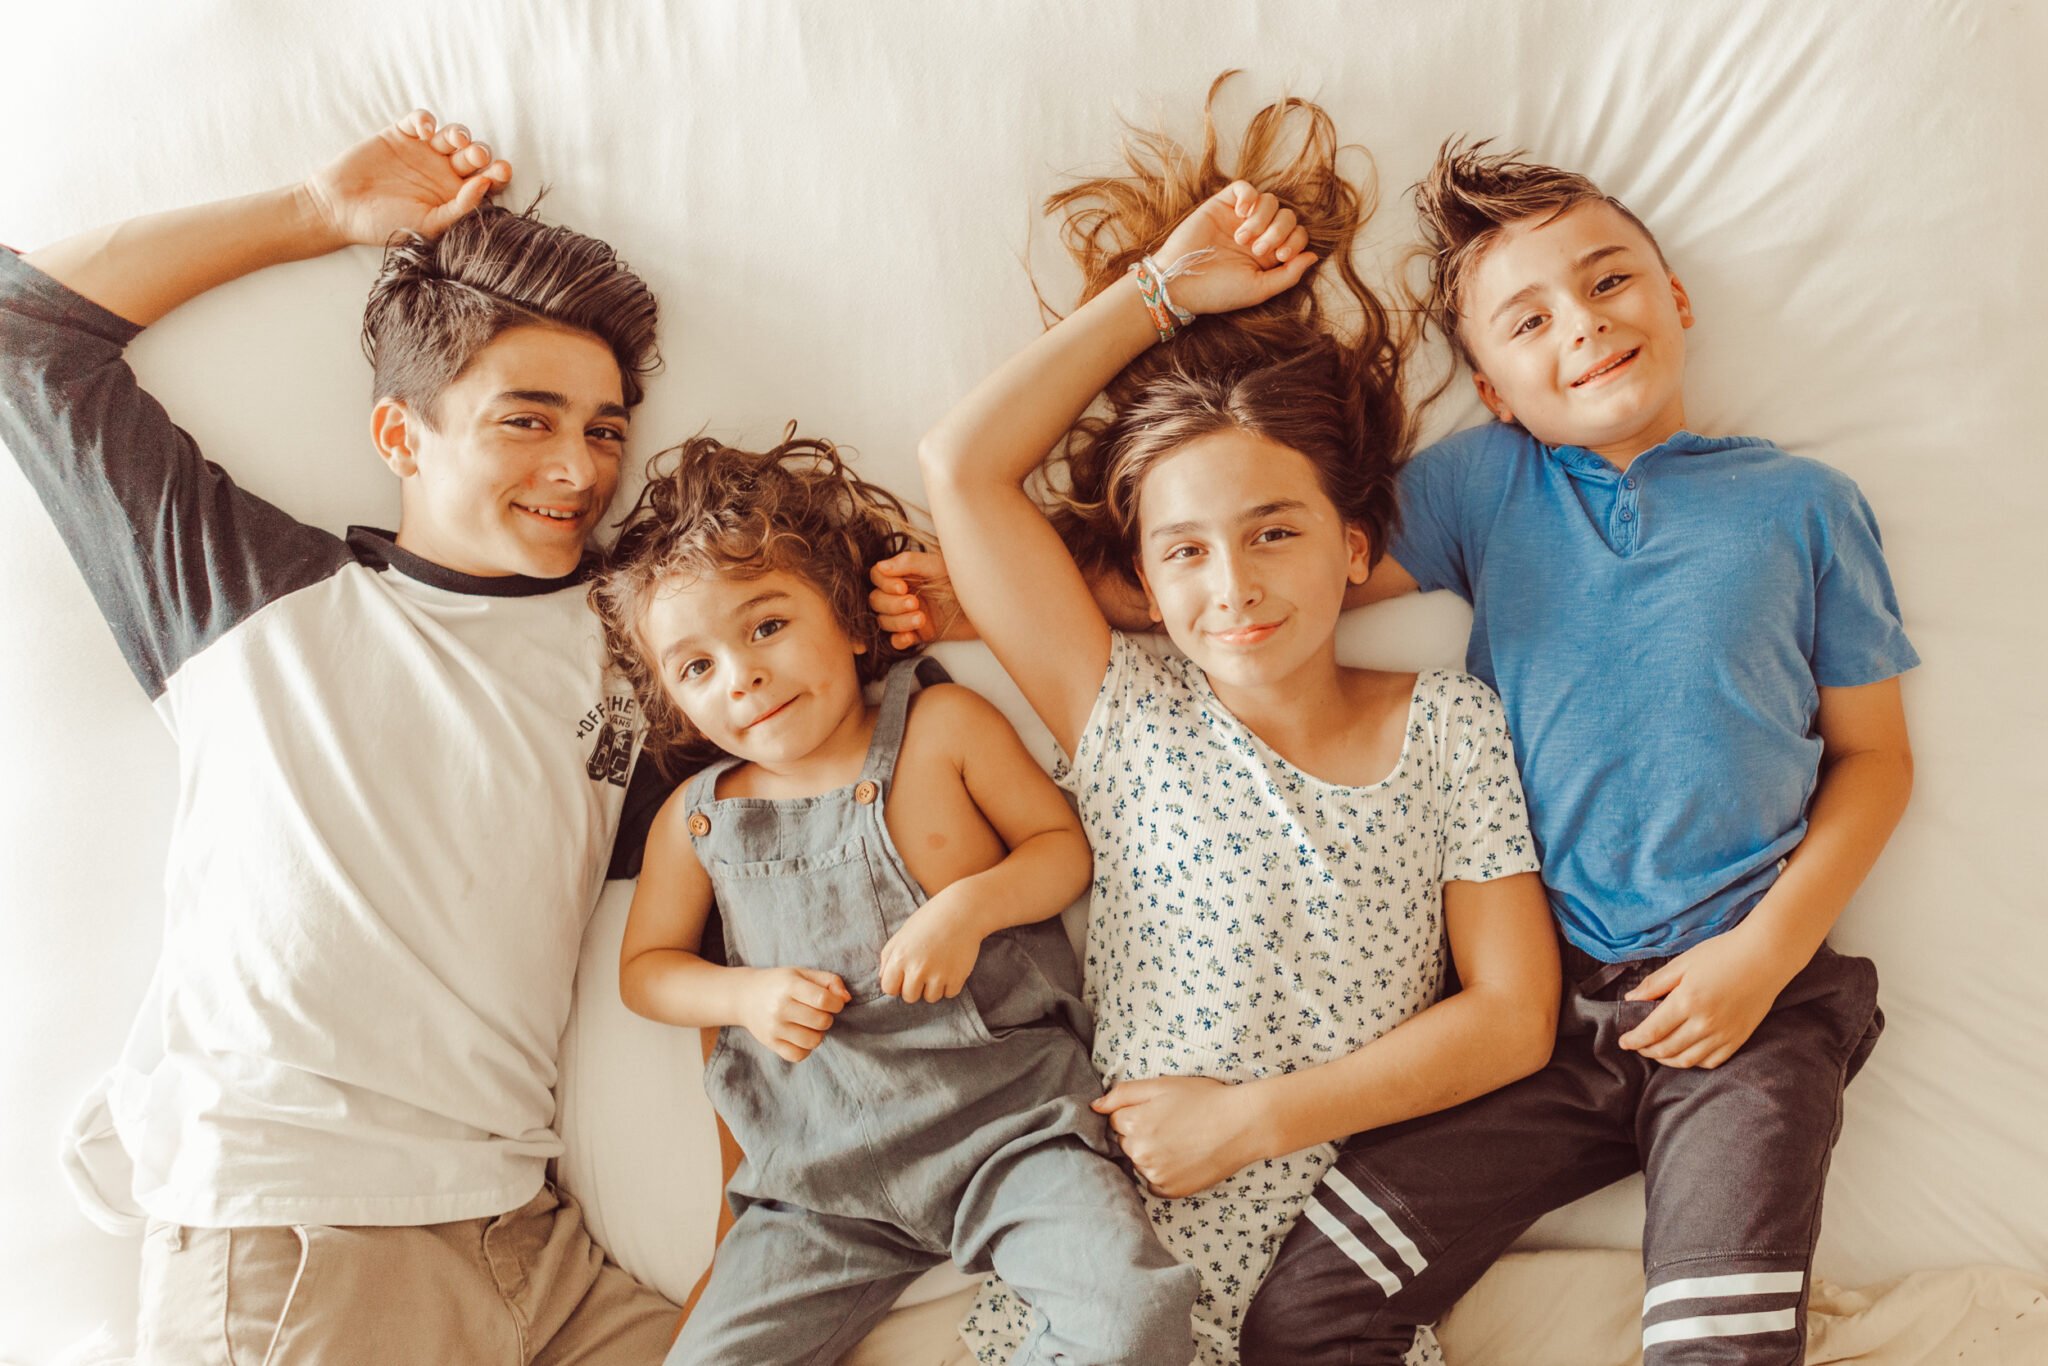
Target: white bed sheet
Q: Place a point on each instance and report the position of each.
(832, 202)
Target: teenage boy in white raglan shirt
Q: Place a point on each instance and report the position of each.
(401, 771)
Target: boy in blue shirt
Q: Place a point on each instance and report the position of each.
(1698, 646)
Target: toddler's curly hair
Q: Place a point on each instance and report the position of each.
(713, 509)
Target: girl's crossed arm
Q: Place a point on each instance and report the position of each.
(662, 976)
(1184, 1134)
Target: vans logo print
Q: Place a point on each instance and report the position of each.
(612, 721)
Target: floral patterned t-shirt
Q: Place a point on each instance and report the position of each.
(1249, 919)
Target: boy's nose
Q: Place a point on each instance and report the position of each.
(572, 462)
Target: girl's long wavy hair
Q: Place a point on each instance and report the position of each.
(1316, 369)
(717, 510)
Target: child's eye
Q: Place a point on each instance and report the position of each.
(1528, 324)
(1274, 533)
(1607, 283)
(693, 669)
(769, 628)
(1182, 552)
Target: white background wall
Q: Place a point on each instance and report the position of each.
(832, 202)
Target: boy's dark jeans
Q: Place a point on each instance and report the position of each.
(1734, 1161)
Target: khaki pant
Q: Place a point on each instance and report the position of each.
(528, 1288)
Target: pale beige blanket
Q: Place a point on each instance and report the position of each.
(1580, 1308)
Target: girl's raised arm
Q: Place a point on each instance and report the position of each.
(1015, 579)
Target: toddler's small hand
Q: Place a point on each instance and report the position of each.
(913, 600)
(932, 956)
(789, 1009)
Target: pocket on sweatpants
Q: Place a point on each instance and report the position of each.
(1848, 985)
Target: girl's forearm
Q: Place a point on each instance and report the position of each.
(1037, 880)
(1003, 429)
(1463, 1046)
(678, 987)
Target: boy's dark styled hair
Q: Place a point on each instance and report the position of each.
(722, 511)
(1319, 375)
(437, 303)
(1465, 201)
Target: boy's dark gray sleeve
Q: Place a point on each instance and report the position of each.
(174, 553)
(646, 790)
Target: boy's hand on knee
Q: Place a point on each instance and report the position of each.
(789, 1009)
(1712, 997)
(932, 956)
(913, 600)
(413, 176)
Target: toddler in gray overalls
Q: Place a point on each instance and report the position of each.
(915, 1132)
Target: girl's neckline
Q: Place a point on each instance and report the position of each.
(1208, 693)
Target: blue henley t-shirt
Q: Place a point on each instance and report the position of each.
(1658, 638)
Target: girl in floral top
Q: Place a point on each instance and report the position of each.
(1285, 847)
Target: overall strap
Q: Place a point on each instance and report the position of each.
(702, 788)
(897, 686)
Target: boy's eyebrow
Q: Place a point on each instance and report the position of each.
(1258, 513)
(552, 398)
(682, 643)
(1591, 258)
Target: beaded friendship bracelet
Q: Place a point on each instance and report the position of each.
(1168, 317)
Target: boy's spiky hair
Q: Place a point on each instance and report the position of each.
(1465, 201)
(437, 303)
(718, 510)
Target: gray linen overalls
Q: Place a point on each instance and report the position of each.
(914, 1133)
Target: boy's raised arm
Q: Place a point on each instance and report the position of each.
(174, 552)
(411, 176)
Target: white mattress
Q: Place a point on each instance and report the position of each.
(832, 202)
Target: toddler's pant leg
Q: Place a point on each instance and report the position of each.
(1063, 1226)
(1412, 1214)
(1734, 1162)
(797, 1288)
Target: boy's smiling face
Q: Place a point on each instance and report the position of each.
(521, 458)
(1577, 331)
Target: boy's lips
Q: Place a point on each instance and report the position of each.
(1611, 366)
(561, 517)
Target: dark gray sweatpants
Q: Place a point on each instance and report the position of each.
(1733, 1160)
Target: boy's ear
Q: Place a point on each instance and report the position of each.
(1684, 302)
(391, 431)
(1490, 396)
